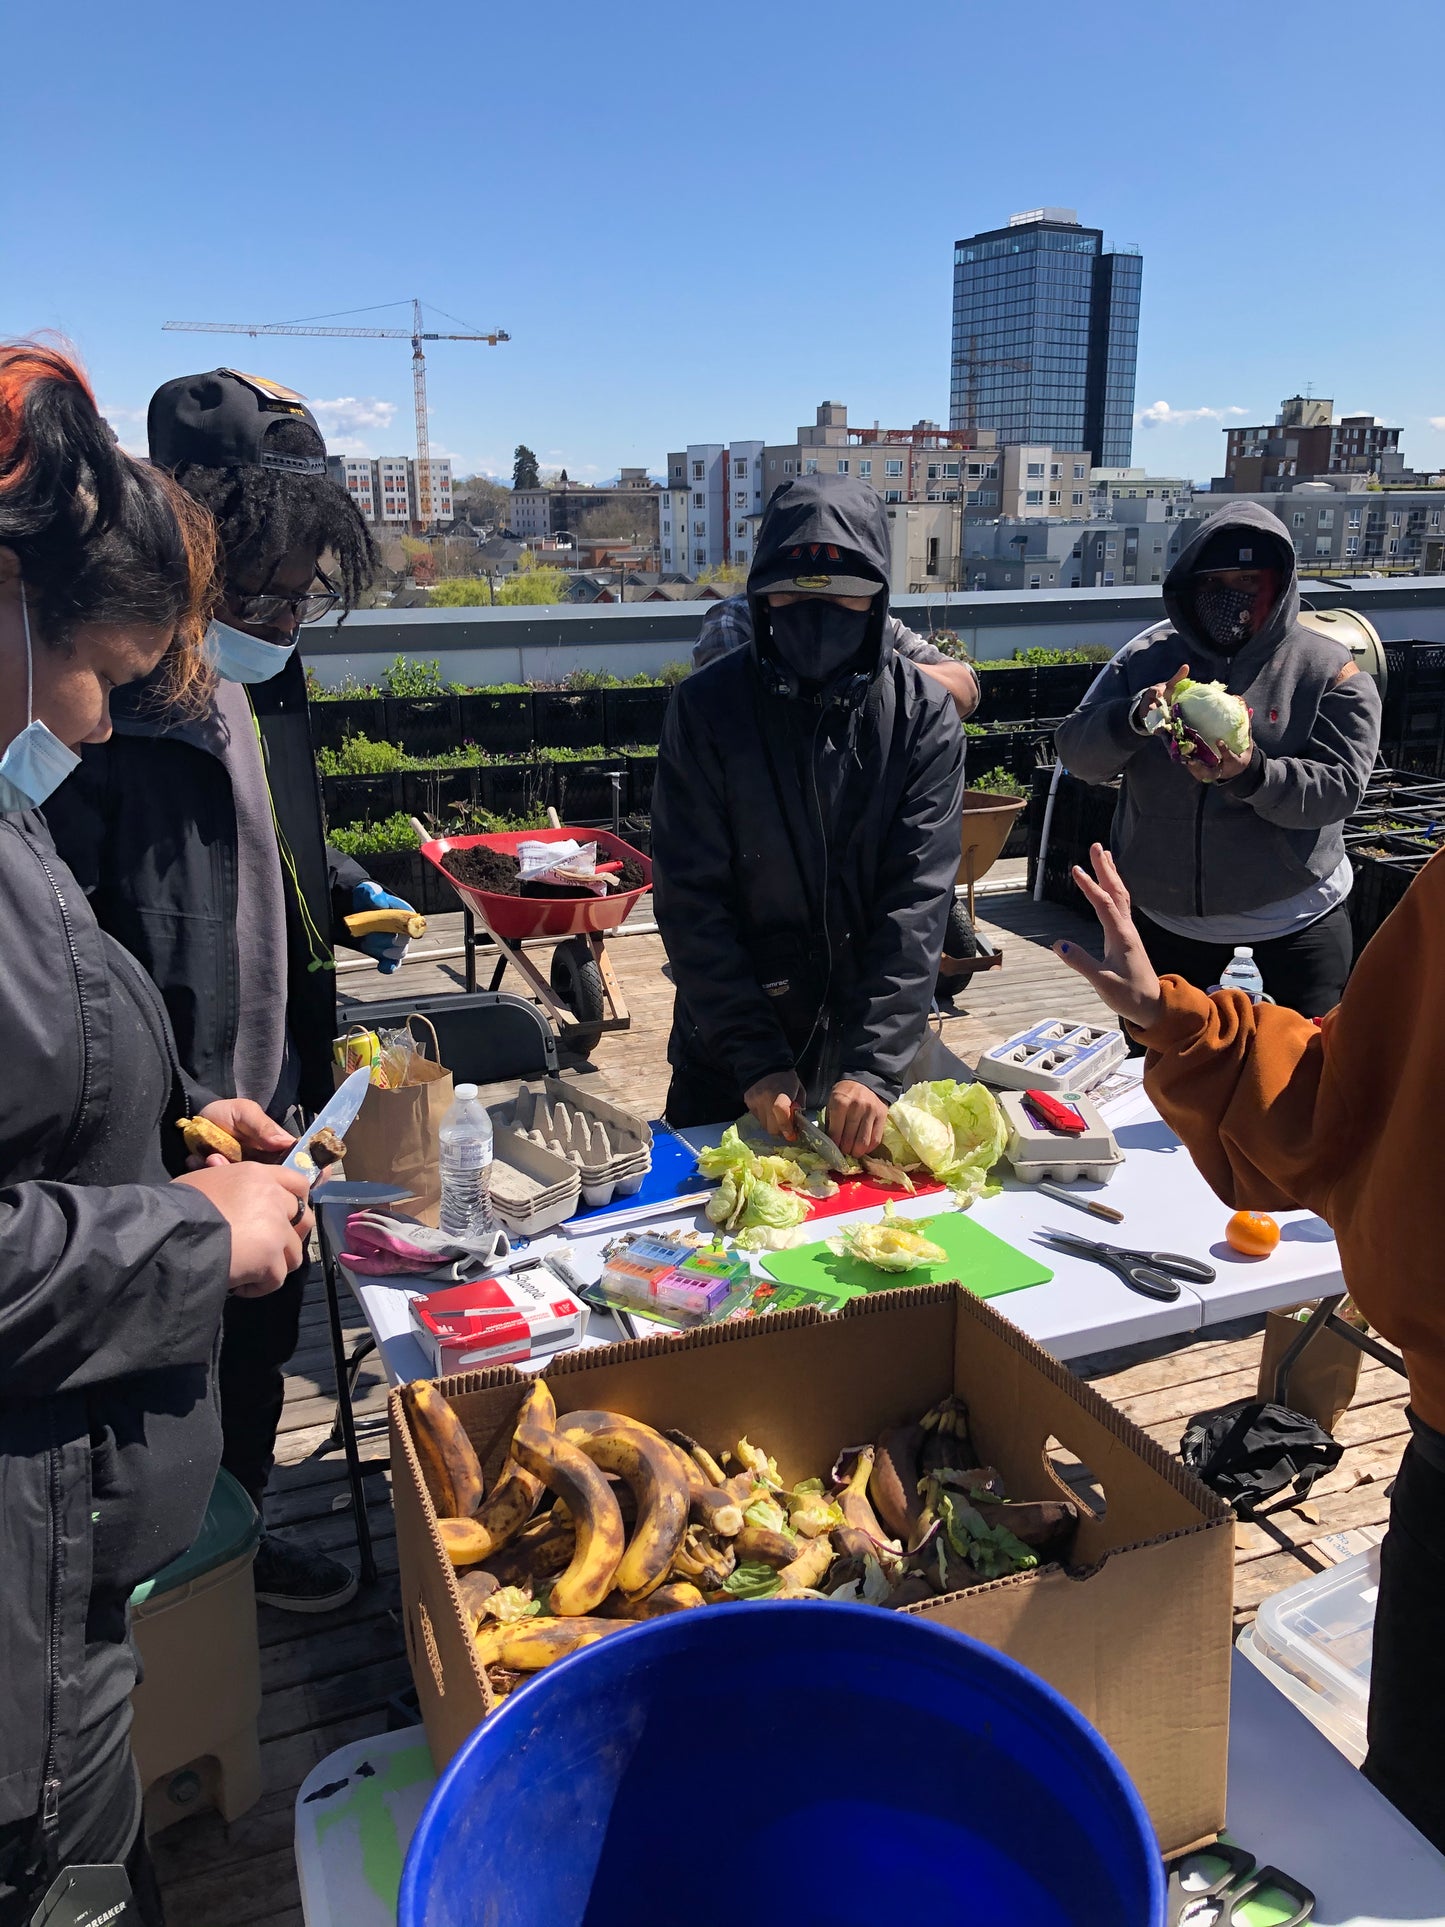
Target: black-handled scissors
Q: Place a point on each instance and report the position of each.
(1211, 1888)
(1155, 1274)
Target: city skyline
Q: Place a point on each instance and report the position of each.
(791, 269)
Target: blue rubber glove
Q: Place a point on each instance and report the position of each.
(388, 951)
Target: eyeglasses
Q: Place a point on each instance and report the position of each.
(309, 606)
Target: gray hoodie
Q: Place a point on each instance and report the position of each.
(1191, 849)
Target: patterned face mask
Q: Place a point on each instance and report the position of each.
(1224, 614)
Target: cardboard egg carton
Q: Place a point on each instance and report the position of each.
(532, 1188)
(609, 1148)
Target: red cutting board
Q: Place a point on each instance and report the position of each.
(864, 1194)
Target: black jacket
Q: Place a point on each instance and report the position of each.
(148, 825)
(111, 1288)
(805, 848)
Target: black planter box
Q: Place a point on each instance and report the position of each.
(1060, 687)
(332, 722)
(422, 725)
(1005, 696)
(1083, 815)
(361, 799)
(995, 749)
(633, 715)
(641, 774)
(497, 720)
(1380, 882)
(638, 834)
(514, 789)
(567, 718)
(401, 872)
(436, 792)
(582, 792)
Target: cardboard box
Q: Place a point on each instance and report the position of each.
(1137, 1634)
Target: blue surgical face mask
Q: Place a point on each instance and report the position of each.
(237, 657)
(36, 763)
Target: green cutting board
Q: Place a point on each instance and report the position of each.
(976, 1258)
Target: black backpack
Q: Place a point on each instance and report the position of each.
(1248, 1451)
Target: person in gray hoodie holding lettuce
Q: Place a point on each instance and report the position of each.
(1247, 848)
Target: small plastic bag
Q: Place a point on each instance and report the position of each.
(568, 864)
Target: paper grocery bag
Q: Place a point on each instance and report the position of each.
(394, 1137)
(1322, 1380)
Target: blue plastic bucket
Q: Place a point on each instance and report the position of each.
(803, 1764)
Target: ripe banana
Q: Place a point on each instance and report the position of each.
(511, 1501)
(810, 1567)
(385, 923)
(204, 1139)
(857, 1508)
(527, 1645)
(475, 1589)
(761, 1543)
(584, 1491)
(449, 1462)
(701, 1559)
(646, 1463)
(537, 1554)
(678, 1596)
(714, 1507)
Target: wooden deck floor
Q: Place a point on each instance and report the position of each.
(329, 1680)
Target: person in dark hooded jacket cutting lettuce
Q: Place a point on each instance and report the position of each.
(806, 837)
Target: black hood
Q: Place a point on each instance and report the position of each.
(841, 526)
(1276, 551)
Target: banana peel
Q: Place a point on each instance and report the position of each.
(385, 923)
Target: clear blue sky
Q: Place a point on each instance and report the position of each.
(698, 222)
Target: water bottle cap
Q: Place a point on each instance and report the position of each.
(464, 1091)
(1240, 950)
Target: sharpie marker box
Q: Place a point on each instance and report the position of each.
(497, 1321)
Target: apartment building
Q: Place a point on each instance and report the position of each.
(563, 507)
(1108, 486)
(1305, 443)
(1037, 481)
(1349, 523)
(390, 492)
(695, 504)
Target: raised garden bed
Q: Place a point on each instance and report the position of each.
(423, 725)
(361, 799)
(1059, 687)
(497, 719)
(567, 718)
(641, 775)
(516, 789)
(434, 792)
(336, 718)
(633, 714)
(1005, 695)
(585, 789)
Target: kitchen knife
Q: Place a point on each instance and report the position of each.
(337, 1116)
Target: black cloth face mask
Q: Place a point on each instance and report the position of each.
(1224, 614)
(816, 638)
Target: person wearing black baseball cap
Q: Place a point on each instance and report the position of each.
(200, 842)
(1246, 849)
(805, 836)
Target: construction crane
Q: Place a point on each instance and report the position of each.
(975, 363)
(416, 334)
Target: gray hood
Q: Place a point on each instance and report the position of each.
(1276, 551)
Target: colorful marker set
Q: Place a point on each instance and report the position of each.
(668, 1279)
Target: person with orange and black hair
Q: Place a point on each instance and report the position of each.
(113, 1272)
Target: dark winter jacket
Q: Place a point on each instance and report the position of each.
(148, 825)
(1193, 849)
(805, 847)
(112, 1283)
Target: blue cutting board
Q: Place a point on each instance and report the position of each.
(976, 1258)
(674, 1171)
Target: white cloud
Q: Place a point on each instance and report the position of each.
(350, 414)
(129, 426)
(1437, 421)
(1159, 414)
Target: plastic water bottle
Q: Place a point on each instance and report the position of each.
(1243, 974)
(465, 1144)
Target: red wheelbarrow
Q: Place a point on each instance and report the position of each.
(583, 996)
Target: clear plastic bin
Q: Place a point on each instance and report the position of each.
(1314, 1642)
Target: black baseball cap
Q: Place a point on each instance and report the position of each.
(223, 420)
(1238, 548)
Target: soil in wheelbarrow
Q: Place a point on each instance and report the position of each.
(500, 875)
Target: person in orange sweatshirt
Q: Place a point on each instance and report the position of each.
(1339, 1115)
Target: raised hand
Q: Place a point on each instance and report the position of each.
(1125, 980)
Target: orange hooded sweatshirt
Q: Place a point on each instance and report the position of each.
(1345, 1118)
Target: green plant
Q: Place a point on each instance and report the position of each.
(672, 673)
(498, 689)
(467, 757)
(592, 679)
(374, 839)
(359, 756)
(461, 592)
(999, 782)
(596, 754)
(409, 677)
(975, 729)
(348, 689)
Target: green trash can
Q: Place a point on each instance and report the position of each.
(196, 1707)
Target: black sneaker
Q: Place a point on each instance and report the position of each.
(299, 1581)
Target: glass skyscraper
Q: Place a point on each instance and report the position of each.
(1046, 335)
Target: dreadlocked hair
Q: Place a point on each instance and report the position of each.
(99, 536)
(263, 513)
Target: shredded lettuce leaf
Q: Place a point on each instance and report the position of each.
(954, 1131)
(893, 1244)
